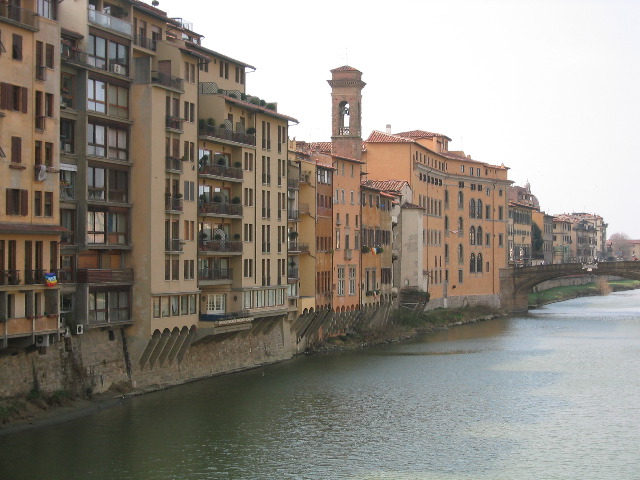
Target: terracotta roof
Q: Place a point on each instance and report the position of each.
(258, 108)
(33, 229)
(345, 68)
(421, 134)
(380, 137)
(387, 185)
(412, 206)
(322, 147)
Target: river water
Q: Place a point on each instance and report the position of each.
(551, 395)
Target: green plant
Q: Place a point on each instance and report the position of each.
(379, 249)
(243, 96)
(236, 200)
(211, 122)
(366, 249)
(217, 236)
(262, 103)
(293, 234)
(222, 162)
(254, 100)
(271, 106)
(236, 236)
(202, 123)
(203, 236)
(233, 95)
(237, 164)
(217, 198)
(251, 131)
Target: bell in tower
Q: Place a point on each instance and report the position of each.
(346, 114)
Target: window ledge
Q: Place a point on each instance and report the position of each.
(17, 166)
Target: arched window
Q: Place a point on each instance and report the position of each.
(446, 223)
(344, 118)
(479, 215)
(472, 235)
(479, 236)
(460, 225)
(460, 199)
(472, 208)
(472, 263)
(479, 263)
(460, 253)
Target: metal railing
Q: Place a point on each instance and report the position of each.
(222, 246)
(173, 245)
(173, 204)
(217, 317)
(34, 277)
(292, 272)
(9, 277)
(227, 134)
(106, 275)
(219, 208)
(19, 15)
(174, 123)
(173, 164)
(144, 42)
(220, 171)
(293, 183)
(215, 274)
(293, 214)
(295, 246)
(165, 80)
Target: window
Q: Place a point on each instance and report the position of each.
(96, 96)
(13, 98)
(48, 204)
(16, 150)
(341, 281)
(17, 202)
(500, 213)
(95, 227)
(352, 279)
(67, 90)
(118, 98)
(48, 58)
(500, 240)
(16, 50)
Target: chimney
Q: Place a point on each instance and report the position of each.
(389, 128)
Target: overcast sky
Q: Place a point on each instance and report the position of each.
(550, 88)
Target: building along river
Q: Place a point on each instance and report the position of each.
(551, 395)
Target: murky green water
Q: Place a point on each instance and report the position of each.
(554, 395)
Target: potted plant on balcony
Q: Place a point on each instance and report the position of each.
(211, 122)
(366, 249)
(222, 162)
(177, 195)
(217, 198)
(202, 123)
(217, 236)
(293, 235)
(251, 131)
(236, 236)
(203, 236)
(238, 164)
(236, 200)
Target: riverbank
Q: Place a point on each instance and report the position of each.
(560, 294)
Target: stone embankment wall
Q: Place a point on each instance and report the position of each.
(567, 282)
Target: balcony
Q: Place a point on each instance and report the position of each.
(144, 42)
(173, 164)
(224, 133)
(220, 246)
(173, 204)
(221, 171)
(34, 277)
(293, 215)
(9, 277)
(41, 72)
(98, 275)
(293, 183)
(295, 247)
(220, 209)
(79, 57)
(109, 22)
(348, 254)
(292, 272)
(211, 274)
(173, 123)
(173, 245)
(168, 81)
(21, 16)
(66, 276)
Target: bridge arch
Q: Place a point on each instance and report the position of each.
(516, 283)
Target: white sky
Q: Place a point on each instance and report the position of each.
(550, 88)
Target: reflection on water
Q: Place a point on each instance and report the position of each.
(553, 394)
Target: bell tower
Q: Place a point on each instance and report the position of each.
(346, 112)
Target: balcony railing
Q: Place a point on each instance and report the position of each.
(173, 245)
(112, 23)
(41, 72)
(34, 277)
(173, 164)
(144, 42)
(293, 214)
(9, 277)
(215, 274)
(165, 80)
(174, 123)
(292, 272)
(97, 275)
(221, 246)
(219, 208)
(293, 183)
(295, 246)
(173, 204)
(221, 171)
(19, 15)
(66, 276)
(227, 134)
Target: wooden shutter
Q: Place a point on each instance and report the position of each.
(4, 96)
(16, 150)
(25, 99)
(24, 202)
(9, 202)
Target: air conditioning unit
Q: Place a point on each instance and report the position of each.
(42, 340)
(79, 329)
(119, 69)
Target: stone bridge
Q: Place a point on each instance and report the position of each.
(516, 283)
